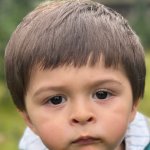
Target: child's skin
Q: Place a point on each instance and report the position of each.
(86, 108)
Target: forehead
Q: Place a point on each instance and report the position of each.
(88, 72)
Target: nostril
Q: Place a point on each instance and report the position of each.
(82, 120)
(75, 121)
(90, 119)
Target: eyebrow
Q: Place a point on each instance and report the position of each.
(48, 88)
(106, 81)
(63, 87)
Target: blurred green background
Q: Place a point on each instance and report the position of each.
(12, 12)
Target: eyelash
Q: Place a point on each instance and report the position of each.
(102, 94)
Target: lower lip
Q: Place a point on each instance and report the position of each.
(86, 141)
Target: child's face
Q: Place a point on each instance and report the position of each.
(87, 108)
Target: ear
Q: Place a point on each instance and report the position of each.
(28, 121)
(134, 110)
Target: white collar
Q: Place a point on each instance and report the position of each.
(138, 134)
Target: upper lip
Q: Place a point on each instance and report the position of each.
(86, 140)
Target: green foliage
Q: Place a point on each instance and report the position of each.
(145, 103)
(11, 13)
(140, 21)
(11, 124)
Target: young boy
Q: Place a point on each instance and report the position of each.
(76, 71)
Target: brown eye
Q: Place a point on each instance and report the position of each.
(102, 95)
(56, 100)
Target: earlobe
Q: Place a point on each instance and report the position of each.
(27, 120)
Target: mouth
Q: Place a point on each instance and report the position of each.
(86, 140)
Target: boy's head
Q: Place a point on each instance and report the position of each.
(74, 69)
(72, 33)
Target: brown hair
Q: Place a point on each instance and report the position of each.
(69, 33)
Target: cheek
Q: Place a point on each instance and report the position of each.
(117, 123)
(117, 128)
(53, 135)
(53, 131)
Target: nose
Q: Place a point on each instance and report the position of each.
(82, 115)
